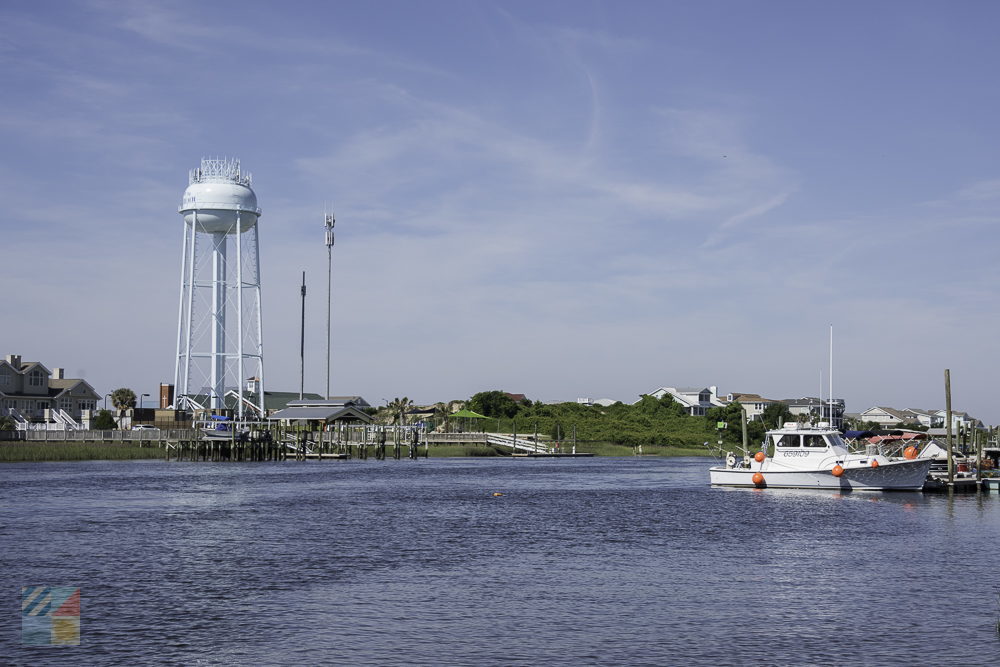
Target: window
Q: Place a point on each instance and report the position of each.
(787, 441)
(812, 440)
(36, 378)
(4, 377)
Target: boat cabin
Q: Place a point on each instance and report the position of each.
(801, 440)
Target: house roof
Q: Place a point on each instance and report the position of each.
(273, 400)
(58, 387)
(320, 413)
(892, 412)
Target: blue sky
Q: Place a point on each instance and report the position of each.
(562, 199)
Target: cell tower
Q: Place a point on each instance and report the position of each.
(219, 346)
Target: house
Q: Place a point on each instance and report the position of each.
(959, 420)
(885, 416)
(753, 404)
(695, 401)
(602, 402)
(31, 393)
(928, 418)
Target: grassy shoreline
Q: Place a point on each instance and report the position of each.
(27, 452)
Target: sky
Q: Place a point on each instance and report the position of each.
(557, 198)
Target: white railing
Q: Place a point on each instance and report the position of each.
(529, 445)
(90, 435)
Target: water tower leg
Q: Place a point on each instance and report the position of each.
(218, 319)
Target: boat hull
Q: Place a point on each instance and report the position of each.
(894, 476)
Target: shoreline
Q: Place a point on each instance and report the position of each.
(22, 452)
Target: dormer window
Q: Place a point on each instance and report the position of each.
(4, 377)
(36, 378)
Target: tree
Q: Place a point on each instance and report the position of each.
(494, 403)
(775, 414)
(7, 423)
(398, 408)
(103, 421)
(442, 413)
(123, 399)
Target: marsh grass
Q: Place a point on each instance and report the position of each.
(76, 451)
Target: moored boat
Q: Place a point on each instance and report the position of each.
(815, 457)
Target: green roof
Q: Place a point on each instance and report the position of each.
(468, 414)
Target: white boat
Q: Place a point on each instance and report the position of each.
(815, 457)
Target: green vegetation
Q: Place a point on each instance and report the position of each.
(75, 451)
(104, 421)
(494, 403)
(7, 423)
(617, 429)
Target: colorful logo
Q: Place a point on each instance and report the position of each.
(50, 615)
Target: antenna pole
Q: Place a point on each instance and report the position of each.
(330, 222)
(302, 348)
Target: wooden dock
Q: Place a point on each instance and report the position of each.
(958, 485)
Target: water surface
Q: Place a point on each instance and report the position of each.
(587, 561)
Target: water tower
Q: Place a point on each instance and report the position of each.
(219, 345)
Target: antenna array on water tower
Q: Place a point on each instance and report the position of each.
(219, 346)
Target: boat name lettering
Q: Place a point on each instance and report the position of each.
(795, 453)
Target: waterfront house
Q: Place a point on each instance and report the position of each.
(32, 394)
(696, 402)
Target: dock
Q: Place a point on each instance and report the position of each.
(958, 485)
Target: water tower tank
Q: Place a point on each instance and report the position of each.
(217, 191)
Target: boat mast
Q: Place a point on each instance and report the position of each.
(830, 397)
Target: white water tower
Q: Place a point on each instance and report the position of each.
(219, 342)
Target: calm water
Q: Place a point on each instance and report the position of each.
(592, 561)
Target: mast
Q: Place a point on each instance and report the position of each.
(830, 397)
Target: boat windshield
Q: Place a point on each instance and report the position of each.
(835, 440)
(810, 440)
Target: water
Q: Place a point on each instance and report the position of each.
(587, 561)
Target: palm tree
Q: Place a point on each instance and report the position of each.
(123, 399)
(442, 412)
(398, 409)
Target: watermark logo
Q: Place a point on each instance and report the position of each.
(50, 615)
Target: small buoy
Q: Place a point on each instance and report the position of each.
(759, 457)
(758, 479)
(497, 494)
(910, 452)
(838, 470)
(874, 463)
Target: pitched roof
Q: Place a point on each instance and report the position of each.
(320, 413)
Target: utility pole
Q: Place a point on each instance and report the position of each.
(947, 404)
(302, 348)
(330, 222)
